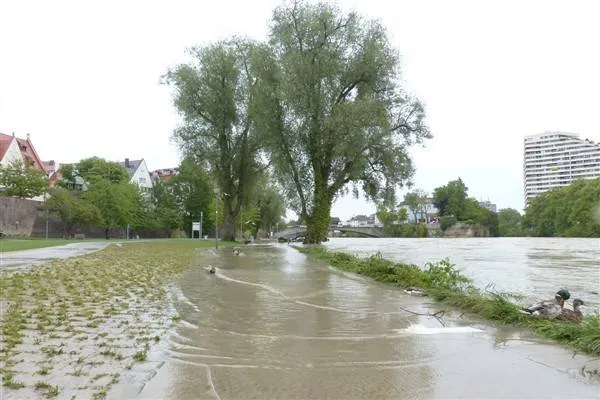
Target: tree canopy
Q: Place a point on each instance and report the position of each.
(332, 109)
(213, 93)
(22, 180)
(573, 210)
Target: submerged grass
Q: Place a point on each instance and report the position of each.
(59, 309)
(447, 285)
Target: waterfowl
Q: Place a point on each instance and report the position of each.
(210, 269)
(548, 308)
(415, 291)
(575, 314)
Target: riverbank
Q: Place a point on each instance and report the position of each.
(445, 284)
(73, 327)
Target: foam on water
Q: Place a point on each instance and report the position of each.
(419, 329)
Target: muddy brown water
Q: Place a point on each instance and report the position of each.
(272, 324)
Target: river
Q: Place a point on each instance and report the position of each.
(534, 267)
(273, 324)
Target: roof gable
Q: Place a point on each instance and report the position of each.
(131, 165)
(5, 141)
(25, 146)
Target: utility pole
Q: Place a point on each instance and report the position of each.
(216, 218)
(201, 215)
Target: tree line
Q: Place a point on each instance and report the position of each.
(570, 211)
(96, 193)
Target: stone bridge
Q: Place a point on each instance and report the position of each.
(295, 232)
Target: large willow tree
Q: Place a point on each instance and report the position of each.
(213, 94)
(331, 106)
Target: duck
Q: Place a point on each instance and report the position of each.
(548, 308)
(210, 269)
(415, 291)
(574, 315)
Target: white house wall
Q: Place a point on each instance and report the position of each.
(13, 153)
(142, 177)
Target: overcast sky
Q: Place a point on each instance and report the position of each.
(82, 78)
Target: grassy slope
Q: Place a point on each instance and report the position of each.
(445, 284)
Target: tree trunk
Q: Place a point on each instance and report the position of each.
(228, 228)
(317, 223)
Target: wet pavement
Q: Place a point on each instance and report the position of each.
(272, 324)
(25, 258)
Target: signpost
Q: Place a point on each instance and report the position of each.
(197, 227)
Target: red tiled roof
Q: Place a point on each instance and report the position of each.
(27, 150)
(4, 143)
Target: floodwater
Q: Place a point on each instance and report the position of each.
(272, 324)
(28, 258)
(534, 267)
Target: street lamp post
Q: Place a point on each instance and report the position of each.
(216, 217)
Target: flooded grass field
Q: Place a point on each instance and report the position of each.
(147, 321)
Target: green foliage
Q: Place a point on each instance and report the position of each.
(264, 208)
(21, 180)
(213, 94)
(334, 115)
(164, 209)
(454, 206)
(193, 194)
(451, 199)
(568, 211)
(94, 169)
(444, 283)
(510, 223)
(405, 230)
(117, 202)
(447, 221)
(416, 202)
(72, 210)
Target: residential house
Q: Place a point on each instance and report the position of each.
(372, 220)
(14, 149)
(165, 174)
(358, 220)
(427, 214)
(56, 176)
(50, 167)
(138, 174)
(489, 205)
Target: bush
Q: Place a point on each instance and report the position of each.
(447, 222)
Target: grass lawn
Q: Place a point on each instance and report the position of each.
(72, 327)
(27, 244)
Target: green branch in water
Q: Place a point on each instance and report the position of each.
(444, 283)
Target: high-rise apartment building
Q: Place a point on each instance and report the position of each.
(554, 159)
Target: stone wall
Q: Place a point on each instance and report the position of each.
(26, 218)
(464, 230)
(18, 216)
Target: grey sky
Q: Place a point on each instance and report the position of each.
(83, 78)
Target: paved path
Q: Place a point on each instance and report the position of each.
(25, 258)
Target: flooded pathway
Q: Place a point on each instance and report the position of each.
(271, 324)
(23, 258)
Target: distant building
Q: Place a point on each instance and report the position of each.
(54, 177)
(165, 174)
(427, 214)
(555, 159)
(13, 149)
(50, 167)
(138, 174)
(489, 205)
